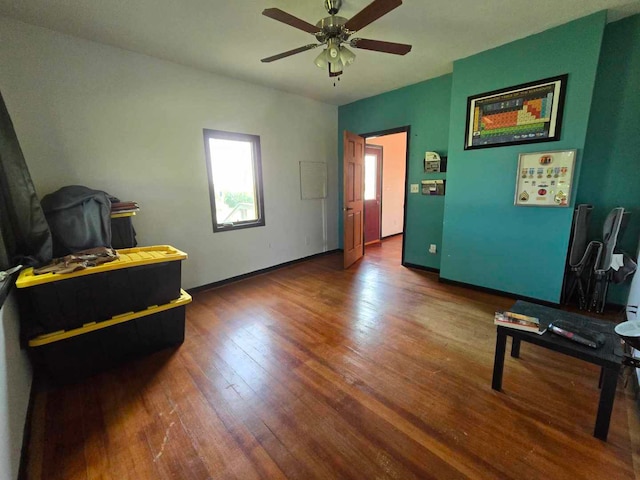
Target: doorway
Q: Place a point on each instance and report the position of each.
(385, 185)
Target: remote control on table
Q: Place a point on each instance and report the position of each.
(573, 336)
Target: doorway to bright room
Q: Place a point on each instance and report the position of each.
(384, 193)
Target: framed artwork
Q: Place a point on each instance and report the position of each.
(545, 179)
(527, 113)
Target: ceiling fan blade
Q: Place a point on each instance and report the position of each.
(289, 19)
(290, 52)
(379, 46)
(371, 13)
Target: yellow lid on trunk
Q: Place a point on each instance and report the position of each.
(128, 257)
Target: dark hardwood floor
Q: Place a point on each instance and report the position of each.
(312, 371)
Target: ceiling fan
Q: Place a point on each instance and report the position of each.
(334, 32)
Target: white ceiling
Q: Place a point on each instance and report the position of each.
(230, 37)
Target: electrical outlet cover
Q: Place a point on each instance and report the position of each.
(415, 188)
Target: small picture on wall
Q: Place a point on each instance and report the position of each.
(527, 113)
(545, 179)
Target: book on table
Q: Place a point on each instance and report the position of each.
(517, 321)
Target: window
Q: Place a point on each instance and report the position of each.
(235, 180)
(370, 176)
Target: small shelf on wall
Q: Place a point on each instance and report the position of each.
(433, 188)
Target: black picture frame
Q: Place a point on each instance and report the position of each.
(543, 97)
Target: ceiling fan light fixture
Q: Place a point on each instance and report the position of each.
(321, 60)
(347, 57)
(333, 50)
(333, 33)
(335, 69)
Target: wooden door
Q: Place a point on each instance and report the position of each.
(353, 209)
(372, 193)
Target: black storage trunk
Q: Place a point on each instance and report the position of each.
(123, 235)
(70, 356)
(54, 302)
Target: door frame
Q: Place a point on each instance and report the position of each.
(390, 131)
(380, 156)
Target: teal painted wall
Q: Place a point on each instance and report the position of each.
(487, 241)
(610, 175)
(425, 108)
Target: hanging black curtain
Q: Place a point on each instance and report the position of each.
(24, 233)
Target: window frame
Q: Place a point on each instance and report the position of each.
(257, 178)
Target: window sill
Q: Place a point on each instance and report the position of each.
(238, 226)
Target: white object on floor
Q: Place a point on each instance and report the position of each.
(617, 261)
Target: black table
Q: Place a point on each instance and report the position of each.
(609, 356)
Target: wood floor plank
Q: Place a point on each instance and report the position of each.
(64, 422)
(312, 371)
(125, 419)
(94, 439)
(319, 412)
(262, 449)
(265, 420)
(282, 407)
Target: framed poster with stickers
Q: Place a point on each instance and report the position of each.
(545, 179)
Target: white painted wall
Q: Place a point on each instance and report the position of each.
(15, 385)
(131, 125)
(394, 162)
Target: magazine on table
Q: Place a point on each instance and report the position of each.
(518, 321)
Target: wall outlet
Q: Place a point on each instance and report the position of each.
(415, 188)
(433, 248)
